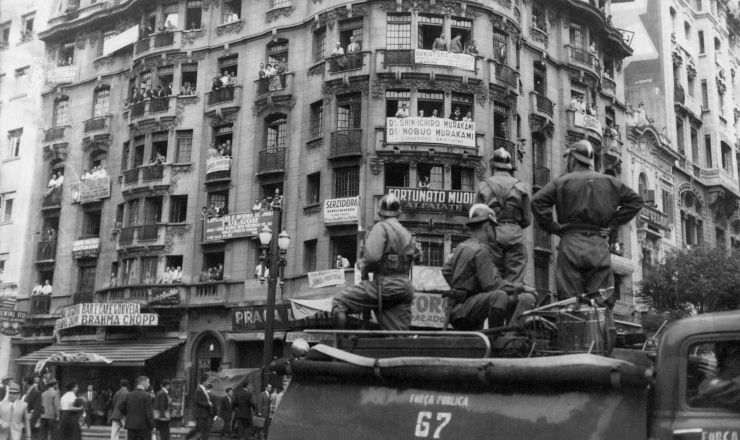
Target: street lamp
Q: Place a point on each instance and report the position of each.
(265, 236)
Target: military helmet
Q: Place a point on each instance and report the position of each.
(390, 206)
(481, 213)
(582, 151)
(501, 159)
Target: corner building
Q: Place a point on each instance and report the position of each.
(323, 128)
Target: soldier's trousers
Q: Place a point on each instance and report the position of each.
(397, 294)
(510, 254)
(471, 314)
(583, 264)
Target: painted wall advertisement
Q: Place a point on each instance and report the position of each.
(430, 130)
(432, 200)
(341, 210)
(245, 224)
(105, 314)
(444, 58)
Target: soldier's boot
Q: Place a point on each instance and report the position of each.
(340, 318)
(496, 317)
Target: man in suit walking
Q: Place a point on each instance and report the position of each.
(117, 420)
(33, 400)
(50, 415)
(162, 405)
(263, 409)
(227, 412)
(203, 411)
(14, 415)
(138, 411)
(243, 403)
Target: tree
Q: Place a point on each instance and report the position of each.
(701, 278)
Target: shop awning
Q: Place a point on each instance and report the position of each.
(111, 353)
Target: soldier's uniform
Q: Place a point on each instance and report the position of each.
(477, 290)
(389, 253)
(510, 199)
(587, 203)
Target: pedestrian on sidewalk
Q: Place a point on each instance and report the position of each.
(14, 415)
(118, 420)
(33, 400)
(138, 411)
(203, 411)
(162, 405)
(243, 404)
(71, 407)
(50, 415)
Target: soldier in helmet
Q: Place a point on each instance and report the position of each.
(589, 206)
(510, 199)
(477, 291)
(389, 252)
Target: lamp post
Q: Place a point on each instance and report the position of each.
(276, 250)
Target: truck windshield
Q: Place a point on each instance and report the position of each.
(713, 375)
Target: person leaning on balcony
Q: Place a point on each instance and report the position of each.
(468, 117)
(216, 84)
(472, 48)
(262, 71)
(403, 111)
(36, 289)
(434, 113)
(353, 46)
(440, 43)
(456, 115)
(225, 79)
(456, 44)
(47, 289)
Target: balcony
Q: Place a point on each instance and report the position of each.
(152, 173)
(222, 95)
(126, 235)
(46, 250)
(40, 305)
(158, 105)
(608, 86)
(183, 294)
(541, 104)
(54, 133)
(613, 146)
(425, 57)
(581, 57)
(542, 240)
(584, 123)
(720, 177)
(153, 107)
(83, 297)
(346, 143)
(271, 84)
(541, 176)
(142, 45)
(152, 235)
(164, 39)
(137, 110)
(271, 161)
(218, 169)
(53, 199)
(346, 63)
(97, 123)
(91, 190)
(131, 176)
(505, 76)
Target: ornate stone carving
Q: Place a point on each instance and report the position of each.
(538, 124)
(315, 144)
(331, 88)
(56, 151)
(93, 38)
(313, 209)
(102, 62)
(317, 69)
(98, 142)
(272, 103)
(231, 28)
(189, 37)
(176, 231)
(723, 206)
(274, 14)
(177, 58)
(226, 116)
(206, 4)
(182, 101)
(152, 62)
(539, 35)
(721, 86)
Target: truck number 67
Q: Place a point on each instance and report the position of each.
(424, 423)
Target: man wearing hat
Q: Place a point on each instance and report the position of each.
(510, 199)
(50, 414)
(389, 253)
(477, 291)
(14, 416)
(589, 205)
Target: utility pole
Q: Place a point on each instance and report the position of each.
(277, 215)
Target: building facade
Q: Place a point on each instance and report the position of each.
(682, 129)
(21, 75)
(172, 180)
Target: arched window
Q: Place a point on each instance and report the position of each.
(208, 356)
(642, 184)
(275, 132)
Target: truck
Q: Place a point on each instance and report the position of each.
(445, 385)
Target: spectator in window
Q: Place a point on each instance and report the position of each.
(53, 181)
(166, 90)
(225, 79)
(341, 263)
(51, 234)
(403, 111)
(232, 17)
(440, 43)
(187, 89)
(423, 182)
(140, 95)
(226, 151)
(258, 271)
(724, 388)
(353, 46)
(169, 27)
(113, 279)
(212, 151)
(193, 26)
(456, 45)
(220, 271)
(338, 51)
(166, 276)
(211, 213)
(158, 93)
(282, 66)
(36, 289)
(472, 48)
(232, 79)
(434, 113)
(149, 91)
(257, 207)
(222, 210)
(263, 71)
(500, 54)
(216, 85)
(277, 199)
(468, 117)
(456, 115)
(178, 275)
(47, 289)
(421, 113)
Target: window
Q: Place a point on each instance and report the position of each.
(309, 255)
(152, 210)
(667, 199)
(317, 118)
(194, 14)
(394, 99)
(231, 10)
(462, 179)
(698, 5)
(642, 185)
(276, 132)
(708, 150)
(184, 146)
(680, 136)
(720, 238)
(125, 151)
(539, 78)
(97, 158)
(22, 72)
(6, 205)
(279, 3)
(694, 146)
(91, 224)
(165, 76)
(538, 16)
(430, 103)
(178, 209)
(704, 95)
(213, 263)
(346, 182)
(189, 75)
(128, 272)
(66, 54)
(149, 270)
(726, 157)
(228, 65)
(691, 85)
(396, 174)
(500, 46)
(173, 261)
(344, 245)
(101, 101)
(577, 36)
(462, 27)
(14, 142)
(349, 111)
(701, 42)
(61, 112)
(710, 370)
(430, 28)
(27, 27)
(430, 175)
(216, 198)
(4, 37)
(432, 247)
(318, 47)
(277, 51)
(687, 30)
(160, 141)
(86, 279)
(3, 259)
(119, 215)
(464, 102)
(350, 30)
(313, 188)
(223, 135)
(398, 32)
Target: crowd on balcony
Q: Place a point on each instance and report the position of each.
(215, 273)
(55, 183)
(97, 172)
(456, 45)
(349, 58)
(187, 89)
(221, 150)
(578, 104)
(456, 115)
(171, 275)
(273, 73)
(227, 79)
(38, 289)
(214, 211)
(269, 202)
(147, 92)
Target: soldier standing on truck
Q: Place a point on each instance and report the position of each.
(389, 253)
(510, 199)
(589, 206)
(477, 291)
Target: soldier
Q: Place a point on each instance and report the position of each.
(389, 252)
(589, 206)
(477, 291)
(510, 199)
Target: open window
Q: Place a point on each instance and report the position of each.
(98, 159)
(231, 11)
(432, 248)
(189, 78)
(178, 208)
(223, 137)
(464, 28)
(138, 159)
(313, 188)
(463, 178)
(344, 245)
(228, 65)
(170, 17)
(160, 142)
(464, 102)
(91, 223)
(165, 75)
(349, 111)
(396, 174)
(193, 15)
(501, 121)
(539, 78)
(430, 103)
(152, 210)
(430, 28)
(277, 51)
(395, 99)
(500, 46)
(67, 54)
(430, 176)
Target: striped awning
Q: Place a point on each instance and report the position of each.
(123, 353)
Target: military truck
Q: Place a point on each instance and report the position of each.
(445, 385)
